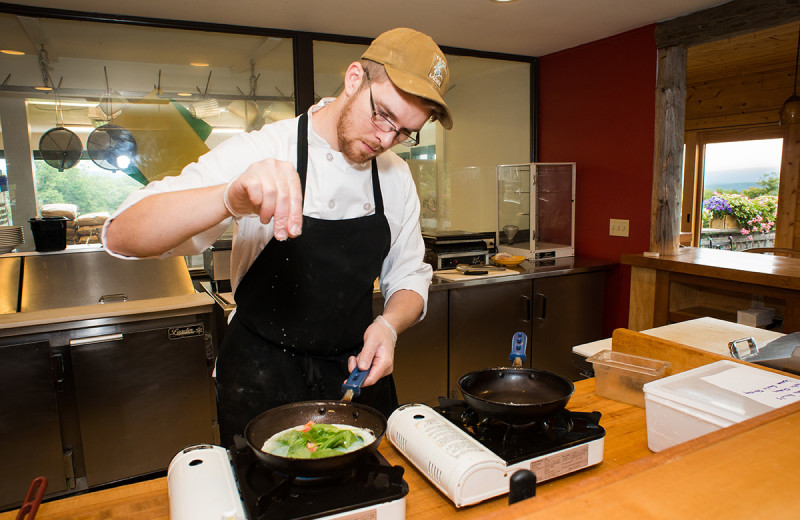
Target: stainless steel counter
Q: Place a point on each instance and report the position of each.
(529, 270)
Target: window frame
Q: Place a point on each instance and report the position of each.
(693, 174)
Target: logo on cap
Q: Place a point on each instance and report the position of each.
(438, 70)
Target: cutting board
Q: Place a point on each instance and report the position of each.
(454, 275)
(708, 334)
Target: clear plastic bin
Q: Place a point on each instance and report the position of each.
(621, 376)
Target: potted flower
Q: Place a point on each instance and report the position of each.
(721, 212)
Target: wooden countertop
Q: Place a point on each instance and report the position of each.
(730, 473)
(753, 268)
(625, 442)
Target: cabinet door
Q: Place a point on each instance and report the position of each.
(420, 359)
(567, 311)
(483, 320)
(30, 434)
(142, 397)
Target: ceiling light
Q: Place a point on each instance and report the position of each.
(185, 94)
(43, 88)
(198, 64)
(12, 52)
(503, 1)
(63, 103)
(226, 130)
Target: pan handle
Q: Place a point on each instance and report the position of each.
(352, 387)
(519, 344)
(32, 499)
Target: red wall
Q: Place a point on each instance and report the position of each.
(596, 108)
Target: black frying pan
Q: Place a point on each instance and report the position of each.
(516, 395)
(291, 415)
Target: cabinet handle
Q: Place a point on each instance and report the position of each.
(58, 365)
(526, 309)
(111, 298)
(540, 301)
(94, 339)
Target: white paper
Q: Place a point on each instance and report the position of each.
(768, 388)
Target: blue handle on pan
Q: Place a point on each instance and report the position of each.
(353, 382)
(518, 345)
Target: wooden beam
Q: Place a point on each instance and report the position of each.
(726, 20)
(668, 159)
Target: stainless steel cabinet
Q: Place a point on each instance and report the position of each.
(567, 311)
(30, 434)
(90, 403)
(420, 359)
(556, 313)
(483, 319)
(142, 396)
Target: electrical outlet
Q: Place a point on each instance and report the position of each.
(618, 228)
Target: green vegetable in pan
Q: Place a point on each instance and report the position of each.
(313, 441)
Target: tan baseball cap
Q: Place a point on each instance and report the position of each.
(415, 64)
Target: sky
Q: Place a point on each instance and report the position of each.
(742, 160)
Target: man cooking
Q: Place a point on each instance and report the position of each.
(320, 211)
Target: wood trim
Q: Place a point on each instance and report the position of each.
(726, 20)
(690, 207)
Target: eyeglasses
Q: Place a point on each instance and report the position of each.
(383, 123)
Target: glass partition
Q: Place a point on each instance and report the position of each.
(455, 170)
(112, 107)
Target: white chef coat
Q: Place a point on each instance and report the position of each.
(335, 189)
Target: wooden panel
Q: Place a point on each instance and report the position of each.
(759, 51)
(757, 95)
(642, 298)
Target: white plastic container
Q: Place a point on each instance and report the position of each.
(684, 406)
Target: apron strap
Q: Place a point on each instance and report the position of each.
(302, 164)
(302, 150)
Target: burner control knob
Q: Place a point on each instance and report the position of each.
(521, 485)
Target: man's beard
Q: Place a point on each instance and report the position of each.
(352, 148)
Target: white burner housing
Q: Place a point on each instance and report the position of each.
(465, 470)
(202, 486)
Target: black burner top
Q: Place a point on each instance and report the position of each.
(513, 444)
(267, 494)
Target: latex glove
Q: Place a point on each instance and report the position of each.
(270, 189)
(377, 354)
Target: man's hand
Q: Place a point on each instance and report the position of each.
(270, 189)
(378, 353)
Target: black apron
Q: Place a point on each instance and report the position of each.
(301, 311)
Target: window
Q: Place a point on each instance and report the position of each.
(455, 170)
(737, 189)
(174, 93)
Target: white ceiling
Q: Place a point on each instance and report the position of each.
(524, 27)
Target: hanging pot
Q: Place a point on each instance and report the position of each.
(60, 148)
(111, 147)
